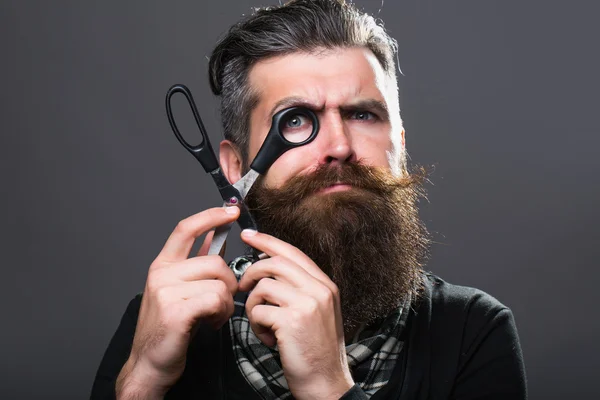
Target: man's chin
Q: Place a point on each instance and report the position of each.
(336, 211)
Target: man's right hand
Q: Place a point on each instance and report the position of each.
(180, 292)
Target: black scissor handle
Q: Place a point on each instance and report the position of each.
(276, 144)
(203, 151)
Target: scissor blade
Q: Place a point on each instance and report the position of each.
(243, 185)
(219, 238)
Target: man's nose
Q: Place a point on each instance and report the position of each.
(335, 141)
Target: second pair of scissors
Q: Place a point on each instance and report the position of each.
(290, 128)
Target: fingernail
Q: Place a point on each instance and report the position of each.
(248, 232)
(231, 210)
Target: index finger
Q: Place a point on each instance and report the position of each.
(273, 246)
(181, 240)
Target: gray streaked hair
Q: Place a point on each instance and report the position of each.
(296, 26)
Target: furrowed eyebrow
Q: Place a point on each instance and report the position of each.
(376, 106)
(294, 101)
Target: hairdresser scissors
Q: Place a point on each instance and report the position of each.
(277, 142)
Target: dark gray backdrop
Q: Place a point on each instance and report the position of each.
(501, 96)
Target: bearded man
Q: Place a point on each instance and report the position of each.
(341, 307)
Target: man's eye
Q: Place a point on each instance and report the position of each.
(295, 121)
(297, 128)
(363, 115)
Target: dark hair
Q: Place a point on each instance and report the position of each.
(299, 25)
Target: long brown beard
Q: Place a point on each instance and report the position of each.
(369, 239)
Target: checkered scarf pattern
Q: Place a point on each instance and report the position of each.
(371, 357)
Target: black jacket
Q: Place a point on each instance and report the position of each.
(460, 343)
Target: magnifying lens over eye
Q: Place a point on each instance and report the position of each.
(290, 128)
(296, 128)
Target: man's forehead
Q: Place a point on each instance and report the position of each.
(335, 78)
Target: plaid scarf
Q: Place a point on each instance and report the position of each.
(371, 356)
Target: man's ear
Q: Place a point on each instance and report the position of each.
(231, 161)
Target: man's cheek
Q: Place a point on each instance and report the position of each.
(273, 178)
(371, 155)
(287, 166)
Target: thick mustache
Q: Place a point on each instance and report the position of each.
(355, 175)
(306, 185)
(378, 181)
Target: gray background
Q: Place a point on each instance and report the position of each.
(501, 96)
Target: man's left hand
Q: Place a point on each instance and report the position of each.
(295, 305)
